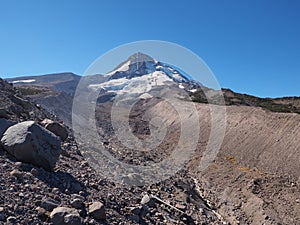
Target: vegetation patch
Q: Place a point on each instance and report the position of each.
(31, 90)
(284, 105)
(230, 159)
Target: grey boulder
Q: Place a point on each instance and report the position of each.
(97, 211)
(31, 143)
(65, 216)
(49, 204)
(56, 128)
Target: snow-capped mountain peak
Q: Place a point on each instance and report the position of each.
(136, 65)
(140, 73)
(140, 57)
(140, 64)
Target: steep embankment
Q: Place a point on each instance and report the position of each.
(253, 137)
(255, 177)
(269, 141)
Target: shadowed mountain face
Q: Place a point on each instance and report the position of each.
(66, 82)
(53, 91)
(18, 108)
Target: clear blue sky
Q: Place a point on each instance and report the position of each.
(251, 46)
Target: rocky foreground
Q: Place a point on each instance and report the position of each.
(73, 193)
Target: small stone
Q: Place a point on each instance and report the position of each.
(201, 211)
(11, 219)
(55, 190)
(106, 143)
(97, 211)
(41, 213)
(181, 207)
(16, 173)
(57, 128)
(19, 164)
(77, 203)
(266, 217)
(84, 164)
(49, 204)
(65, 216)
(136, 210)
(184, 219)
(5, 165)
(145, 199)
(78, 196)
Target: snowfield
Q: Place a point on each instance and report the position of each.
(23, 81)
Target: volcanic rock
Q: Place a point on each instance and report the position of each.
(65, 216)
(31, 143)
(56, 128)
(97, 211)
